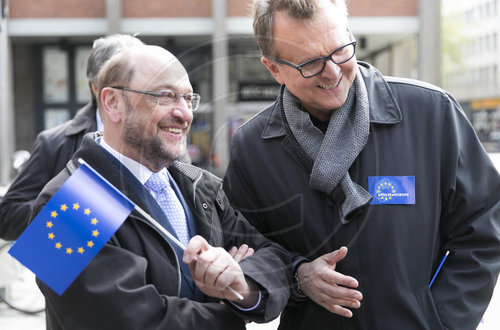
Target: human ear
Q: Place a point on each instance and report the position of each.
(110, 103)
(273, 68)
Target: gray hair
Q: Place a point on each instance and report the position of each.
(104, 48)
(263, 15)
(119, 70)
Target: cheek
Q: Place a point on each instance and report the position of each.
(350, 71)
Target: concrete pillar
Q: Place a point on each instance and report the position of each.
(220, 85)
(429, 44)
(114, 16)
(6, 107)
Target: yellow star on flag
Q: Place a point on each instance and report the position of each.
(64, 207)
(69, 250)
(81, 250)
(53, 214)
(49, 224)
(87, 211)
(51, 235)
(95, 233)
(58, 245)
(76, 206)
(94, 221)
(90, 244)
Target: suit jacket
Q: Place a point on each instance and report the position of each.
(134, 281)
(52, 149)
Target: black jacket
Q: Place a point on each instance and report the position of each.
(52, 149)
(133, 282)
(416, 130)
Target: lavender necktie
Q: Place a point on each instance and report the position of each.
(170, 204)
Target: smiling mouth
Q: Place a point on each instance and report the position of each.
(328, 87)
(177, 129)
(173, 130)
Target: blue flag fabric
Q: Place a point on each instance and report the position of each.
(72, 228)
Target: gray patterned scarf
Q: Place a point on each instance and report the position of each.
(329, 156)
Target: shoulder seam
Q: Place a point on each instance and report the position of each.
(414, 82)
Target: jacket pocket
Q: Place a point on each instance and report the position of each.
(430, 315)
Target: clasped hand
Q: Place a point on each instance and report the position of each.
(213, 269)
(327, 287)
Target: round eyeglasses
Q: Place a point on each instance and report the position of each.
(168, 97)
(315, 66)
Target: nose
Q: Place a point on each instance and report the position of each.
(182, 110)
(331, 70)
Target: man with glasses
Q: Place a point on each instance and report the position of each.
(368, 181)
(54, 147)
(142, 278)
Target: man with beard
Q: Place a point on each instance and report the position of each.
(140, 279)
(389, 168)
(54, 147)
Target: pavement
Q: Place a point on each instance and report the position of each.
(18, 284)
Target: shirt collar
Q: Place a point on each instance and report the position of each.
(141, 172)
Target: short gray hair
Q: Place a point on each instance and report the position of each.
(104, 48)
(117, 71)
(263, 16)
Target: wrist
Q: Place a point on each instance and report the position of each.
(297, 284)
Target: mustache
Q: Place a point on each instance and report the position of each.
(172, 122)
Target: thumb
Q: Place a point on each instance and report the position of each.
(196, 245)
(333, 257)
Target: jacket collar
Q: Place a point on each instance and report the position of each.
(383, 106)
(83, 121)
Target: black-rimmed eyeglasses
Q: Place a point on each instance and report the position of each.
(315, 66)
(167, 97)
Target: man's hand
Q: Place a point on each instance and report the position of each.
(328, 288)
(213, 269)
(241, 253)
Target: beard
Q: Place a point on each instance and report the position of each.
(152, 149)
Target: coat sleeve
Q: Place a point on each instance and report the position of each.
(469, 225)
(16, 205)
(269, 267)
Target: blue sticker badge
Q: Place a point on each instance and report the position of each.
(392, 189)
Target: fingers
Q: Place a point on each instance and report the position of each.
(327, 287)
(337, 295)
(196, 245)
(336, 278)
(241, 253)
(215, 268)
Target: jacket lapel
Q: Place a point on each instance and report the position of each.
(199, 196)
(120, 177)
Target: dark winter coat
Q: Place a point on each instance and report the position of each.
(416, 130)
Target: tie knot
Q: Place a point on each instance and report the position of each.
(157, 182)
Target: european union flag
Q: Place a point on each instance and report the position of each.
(392, 189)
(72, 228)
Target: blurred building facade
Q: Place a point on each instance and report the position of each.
(471, 32)
(45, 44)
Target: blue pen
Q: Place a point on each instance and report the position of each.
(439, 268)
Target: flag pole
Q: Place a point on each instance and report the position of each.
(155, 223)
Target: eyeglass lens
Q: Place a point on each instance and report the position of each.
(169, 97)
(340, 56)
